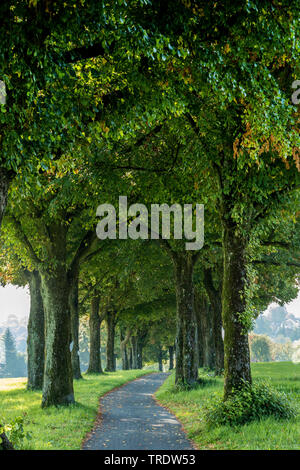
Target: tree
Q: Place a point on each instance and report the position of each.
(36, 333)
(260, 348)
(14, 363)
(10, 353)
(95, 320)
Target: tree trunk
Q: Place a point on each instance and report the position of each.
(130, 359)
(209, 352)
(215, 298)
(236, 346)
(58, 377)
(134, 352)
(141, 341)
(197, 306)
(217, 329)
(73, 305)
(36, 338)
(160, 359)
(123, 347)
(95, 366)
(110, 345)
(171, 357)
(186, 338)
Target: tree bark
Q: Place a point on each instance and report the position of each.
(130, 358)
(141, 339)
(160, 359)
(73, 305)
(186, 338)
(197, 307)
(134, 354)
(171, 357)
(123, 347)
(36, 334)
(215, 298)
(58, 376)
(236, 346)
(95, 366)
(209, 352)
(110, 345)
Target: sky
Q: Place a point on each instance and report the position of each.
(16, 300)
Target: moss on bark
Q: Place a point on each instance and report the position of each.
(187, 336)
(236, 346)
(110, 344)
(36, 338)
(58, 376)
(95, 366)
(73, 305)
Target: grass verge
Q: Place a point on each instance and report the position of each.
(265, 434)
(59, 428)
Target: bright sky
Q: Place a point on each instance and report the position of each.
(293, 307)
(15, 300)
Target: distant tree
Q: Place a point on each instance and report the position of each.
(260, 348)
(10, 351)
(283, 351)
(14, 363)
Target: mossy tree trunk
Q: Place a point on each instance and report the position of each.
(73, 276)
(236, 346)
(140, 344)
(197, 307)
(171, 357)
(209, 351)
(160, 358)
(36, 334)
(74, 311)
(111, 320)
(95, 366)
(215, 298)
(186, 338)
(130, 358)
(58, 375)
(124, 337)
(134, 358)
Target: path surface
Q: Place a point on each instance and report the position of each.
(132, 420)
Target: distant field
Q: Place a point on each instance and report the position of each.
(63, 427)
(258, 435)
(11, 384)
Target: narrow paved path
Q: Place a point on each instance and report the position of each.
(132, 420)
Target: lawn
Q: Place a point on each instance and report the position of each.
(62, 427)
(258, 435)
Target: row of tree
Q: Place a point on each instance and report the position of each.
(165, 102)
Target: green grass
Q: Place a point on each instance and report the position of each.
(265, 434)
(62, 427)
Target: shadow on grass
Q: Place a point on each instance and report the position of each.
(201, 383)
